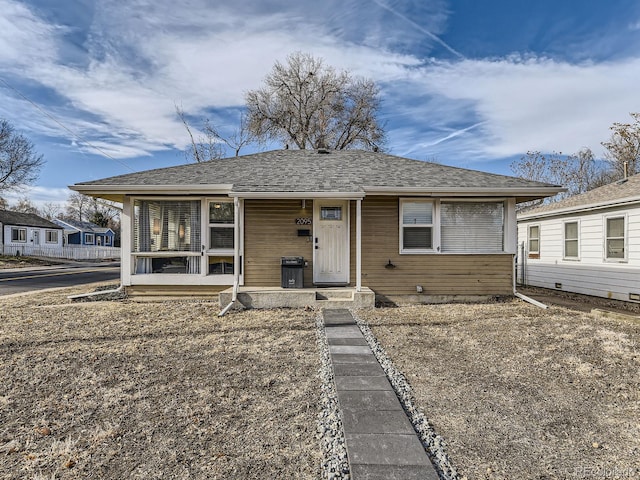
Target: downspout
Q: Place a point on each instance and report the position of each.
(94, 294)
(358, 245)
(236, 256)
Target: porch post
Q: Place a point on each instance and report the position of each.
(358, 245)
(236, 246)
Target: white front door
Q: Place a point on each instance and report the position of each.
(331, 242)
(36, 237)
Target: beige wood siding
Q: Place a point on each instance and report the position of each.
(270, 232)
(438, 274)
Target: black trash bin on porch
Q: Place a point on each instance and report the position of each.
(292, 275)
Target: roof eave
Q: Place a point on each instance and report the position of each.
(529, 193)
(118, 192)
(581, 208)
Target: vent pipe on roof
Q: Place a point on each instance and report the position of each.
(625, 167)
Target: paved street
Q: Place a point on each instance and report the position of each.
(29, 279)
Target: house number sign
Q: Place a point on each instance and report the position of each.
(303, 221)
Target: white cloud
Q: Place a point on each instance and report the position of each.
(537, 103)
(38, 195)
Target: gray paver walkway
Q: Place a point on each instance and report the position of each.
(381, 443)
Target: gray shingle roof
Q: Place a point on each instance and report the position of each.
(8, 217)
(82, 226)
(611, 194)
(311, 171)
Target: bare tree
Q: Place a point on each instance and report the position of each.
(211, 145)
(78, 207)
(19, 162)
(25, 205)
(50, 210)
(624, 147)
(3, 204)
(578, 173)
(310, 105)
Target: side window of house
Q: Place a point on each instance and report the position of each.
(615, 239)
(472, 227)
(416, 226)
(107, 240)
(88, 238)
(19, 235)
(221, 241)
(571, 241)
(51, 236)
(534, 241)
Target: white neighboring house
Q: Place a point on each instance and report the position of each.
(28, 234)
(588, 243)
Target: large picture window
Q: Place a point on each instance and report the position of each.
(166, 236)
(416, 226)
(472, 227)
(615, 239)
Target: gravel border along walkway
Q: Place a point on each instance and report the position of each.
(433, 443)
(330, 432)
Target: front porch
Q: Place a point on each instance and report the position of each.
(277, 297)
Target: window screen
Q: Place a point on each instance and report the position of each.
(472, 227)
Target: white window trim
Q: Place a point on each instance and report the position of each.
(564, 241)
(606, 259)
(435, 226)
(107, 240)
(19, 229)
(534, 252)
(86, 239)
(48, 233)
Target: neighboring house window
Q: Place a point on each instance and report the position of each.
(472, 227)
(417, 226)
(166, 236)
(88, 238)
(51, 236)
(534, 241)
(221, 237)
(107, 240)
(571, 240)
(19, 235)
(615, 239)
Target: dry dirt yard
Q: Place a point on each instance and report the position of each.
(116, 390)
(519, 392)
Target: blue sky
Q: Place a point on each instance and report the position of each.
(94, 83)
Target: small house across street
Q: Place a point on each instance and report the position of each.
(588, 243)
(322, 221)
(86, 233)
(28, 234)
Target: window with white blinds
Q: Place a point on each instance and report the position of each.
(472, 227)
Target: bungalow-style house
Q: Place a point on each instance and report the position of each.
(588, 243)
(405, 229)
(86, 233)
(28, 234)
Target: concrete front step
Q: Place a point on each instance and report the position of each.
(276, 297)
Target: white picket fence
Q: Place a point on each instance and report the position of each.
(67, 252)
